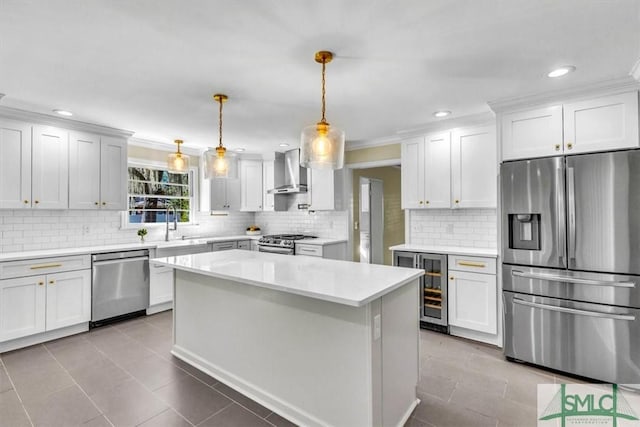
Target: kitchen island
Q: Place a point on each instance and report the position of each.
(321, 342)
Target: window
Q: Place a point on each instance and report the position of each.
(153, 189)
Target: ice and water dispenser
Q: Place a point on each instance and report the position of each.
(524, 231)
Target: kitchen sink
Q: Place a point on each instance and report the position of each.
(182, 247)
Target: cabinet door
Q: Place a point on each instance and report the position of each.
(50, 168)
(84, 171)
(233, 194)
(412, 173)
(601, 124)
(244, 244)
(15, 165)
(268, 183)
(321, 189)
(68, 298)
(218, 190)
(22, 307)
(251, 185)
(113, 173)
(474, 168)
(437, 170)
(532, 133)
(160, 284)
(472, 301)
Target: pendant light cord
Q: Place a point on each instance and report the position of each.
(220, 124)
(324, 65)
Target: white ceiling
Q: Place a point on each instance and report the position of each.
(151, 66)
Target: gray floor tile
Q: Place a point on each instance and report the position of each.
(437, 386)
(233, 416)
(195, 372)
(127, 352)
(241, 399)
(63, 408)
(66, 341)
(101, 377)
(128, 404)
(154, 372)
(100, 421)
(168, 418)
(25, 359)
(41, 381)
(192, 399)
(162, 348)
(439, 413)
(12, 414)
(5, 383)
(77, 355)
(414, 422)
(279, 421)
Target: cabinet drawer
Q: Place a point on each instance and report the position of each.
(224, 246)
(472, 263)
(34, 267)
(310, 250)
(244, 244)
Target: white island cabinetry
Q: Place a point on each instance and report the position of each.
(324, 342)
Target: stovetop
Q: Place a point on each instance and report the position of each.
(282, 240)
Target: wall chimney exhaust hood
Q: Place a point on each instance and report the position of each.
(295, 176)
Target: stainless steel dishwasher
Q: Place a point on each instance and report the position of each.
(120, 285)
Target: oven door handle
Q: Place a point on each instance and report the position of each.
(576, 280)
(626, 317)
(274, 250)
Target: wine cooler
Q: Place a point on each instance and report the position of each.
(433, 287)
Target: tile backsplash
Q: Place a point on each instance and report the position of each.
(319, 223)
(25, 230)
(454, 227)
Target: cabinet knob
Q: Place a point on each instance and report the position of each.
(427, 202)
(51, 282)
(104, 203)
(557, 147)
(36, 201)
(569, 145)
(420, 202)
(26, 202)
(40, 283)
(457, 201)
(97, 203)
(451, 278)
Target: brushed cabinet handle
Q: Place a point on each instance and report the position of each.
(36, 267)
(472, 264)
(627, 317)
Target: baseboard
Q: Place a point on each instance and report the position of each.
(18, 343)
(407, 415)
(476, 336)
(294, 414)
(160, 307)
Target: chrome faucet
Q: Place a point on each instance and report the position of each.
(166, 220)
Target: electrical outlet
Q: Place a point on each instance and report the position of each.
(377, 328)
(416, 228)
(85, 230)
(450, 228)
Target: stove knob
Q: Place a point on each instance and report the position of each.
(286, 242)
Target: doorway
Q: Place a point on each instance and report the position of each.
(392, 230)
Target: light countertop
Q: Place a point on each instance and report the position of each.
(47, 253)
(320, 241)
(449, 250)
(342, 282)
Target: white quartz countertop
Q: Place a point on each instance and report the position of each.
(449, 250)
(320, 241)
(342, 282)
(48, 253)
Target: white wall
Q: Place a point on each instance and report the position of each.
(25, 230)
(454, 227)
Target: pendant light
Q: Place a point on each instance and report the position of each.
(216, 164)
(322, 146)
(178, 162)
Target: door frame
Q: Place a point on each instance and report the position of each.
(348, 192)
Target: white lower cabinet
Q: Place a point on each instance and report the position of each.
(43, 303)
(336, 250)
(473, 295)
(160, 284)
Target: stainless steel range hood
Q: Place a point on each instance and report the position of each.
(295, 176)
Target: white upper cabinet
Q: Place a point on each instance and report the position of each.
(324, 189)
(606, 123)
(251, 188)
(97, 172)
(598, 124)
(533, 133)
(15, 164)
(225, 194)
(412, 173)
(437, 170)
(474, 167)
(268, 183)
(50, 168)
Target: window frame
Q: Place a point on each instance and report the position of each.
(193, 191)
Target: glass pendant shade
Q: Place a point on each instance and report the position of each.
(178, 162)
(322, 147)
(216, 164)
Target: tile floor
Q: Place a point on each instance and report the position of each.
(124, 375)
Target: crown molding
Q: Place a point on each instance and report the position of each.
(169, 147)
(635, 71)
(486, 118)
(45, 119)
(621, 84)
(369, 143)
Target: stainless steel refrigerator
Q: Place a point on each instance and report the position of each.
(571, 263)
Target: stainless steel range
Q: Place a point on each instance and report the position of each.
(280, 243)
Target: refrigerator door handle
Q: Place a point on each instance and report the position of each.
(627, 317)
(571, 215)
(560, 212)
(576, 280)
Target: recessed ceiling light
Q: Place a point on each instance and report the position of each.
(562, 71)
(63, 112)
(239, 150)
(284, 144)
(441, 114)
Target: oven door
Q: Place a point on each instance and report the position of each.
(591, 340)
(275, 250)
